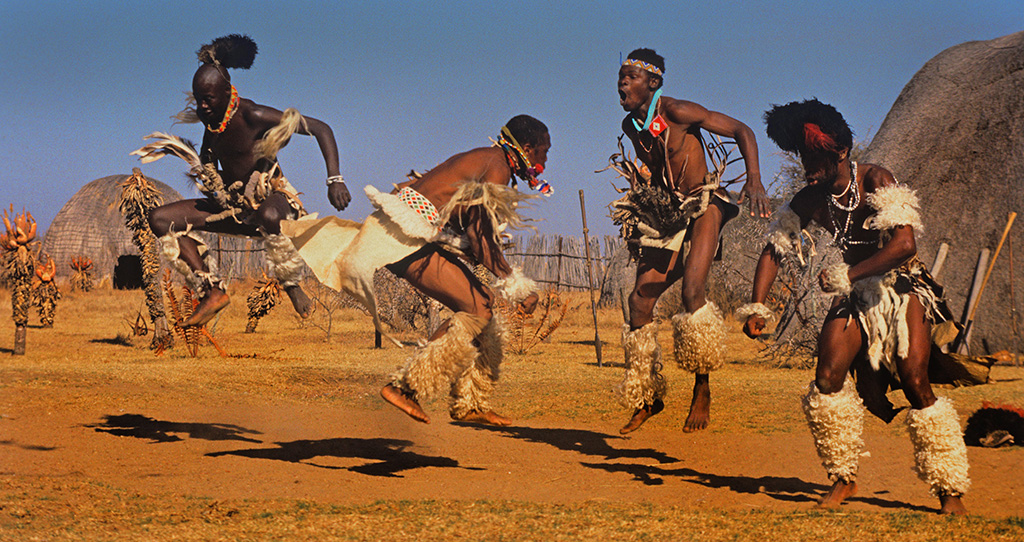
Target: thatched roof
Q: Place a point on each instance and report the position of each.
(90, 224)
(956, 135)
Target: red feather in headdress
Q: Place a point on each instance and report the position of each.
(815, 139)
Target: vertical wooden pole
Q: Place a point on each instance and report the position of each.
(979, 272)
(940, 259)
(19, 340)
(988, 273)
(558, 264)
(1013, 308)
(590, 279)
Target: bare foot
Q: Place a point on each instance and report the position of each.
(700, 406)
(489, 417)
(951, 505)
(404, 402)
(212, 303)
(839, 492)
(300, 300)
(640, 416)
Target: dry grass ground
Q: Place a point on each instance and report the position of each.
(286, 439)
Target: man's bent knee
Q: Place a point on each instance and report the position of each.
(159, 222)
(828, 384)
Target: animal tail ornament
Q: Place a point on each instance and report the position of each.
(231, 51)
(166, 144)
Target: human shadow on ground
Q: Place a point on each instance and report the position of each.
(30, 447)
(144, 427)
(115, 341)
(776, 487)
(576, 440)
(390, 455)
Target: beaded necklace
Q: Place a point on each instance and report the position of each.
(228, 113)
(840, 240)
(520, 164)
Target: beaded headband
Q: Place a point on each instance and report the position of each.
(646, 66)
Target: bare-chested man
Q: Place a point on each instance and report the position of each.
(884, 307)
(247, 194)
(419, 232)
(673, 219)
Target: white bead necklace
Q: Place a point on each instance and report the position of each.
(840, 240)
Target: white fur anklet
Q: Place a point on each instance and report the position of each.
(515, 287)
(433, 368)
(471, 390)
(836, 422)
(940, 455)
(643, 382)
(751, 309)
(837, 279)
(199, 281)
(698, 339)
(283, 261)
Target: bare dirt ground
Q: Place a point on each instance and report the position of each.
(291, 415)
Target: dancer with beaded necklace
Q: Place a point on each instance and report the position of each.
(423, 231)
(248, 195)
(672, 219)
(885, 304)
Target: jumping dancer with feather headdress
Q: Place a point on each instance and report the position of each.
(237, 170)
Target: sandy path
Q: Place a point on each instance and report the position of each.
(220, 447)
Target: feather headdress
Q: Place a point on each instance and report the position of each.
(808, 126)
(231, 51)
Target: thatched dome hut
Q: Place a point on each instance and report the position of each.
(956, 135)
(91, 225)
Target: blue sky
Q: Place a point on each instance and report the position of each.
(406, 84)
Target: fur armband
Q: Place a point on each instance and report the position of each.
(754, 309)
(837, 279)
(515, 287)
(895, 205)
(784, 233)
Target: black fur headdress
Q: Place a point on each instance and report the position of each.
(231, 51)
(808, 125)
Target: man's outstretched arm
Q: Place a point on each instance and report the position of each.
(691, 114)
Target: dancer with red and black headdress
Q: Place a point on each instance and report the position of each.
(885, 303)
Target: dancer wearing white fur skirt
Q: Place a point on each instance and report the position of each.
(885, 305)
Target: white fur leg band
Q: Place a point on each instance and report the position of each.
(283, 260)
(940, 455)
(837, 279)
(430, 371)
(515, 287)
(199, 281)
(698, 339)
(754, 309)
(643, 381)
(836, 422)
(471, 390)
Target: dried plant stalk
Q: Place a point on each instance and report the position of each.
(263, 297)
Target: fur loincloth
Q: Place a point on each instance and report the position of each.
(235, 200)
(344, 254)
(880, 305)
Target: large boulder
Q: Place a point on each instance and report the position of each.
(956, 135)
